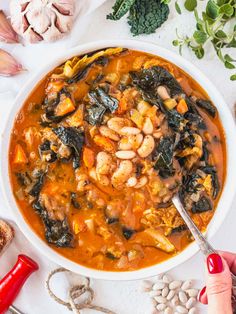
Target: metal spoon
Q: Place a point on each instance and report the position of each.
(203, 244)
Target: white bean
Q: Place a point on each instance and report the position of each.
(104, 161)
(141, 182)
(168, 310)
(161, 307)
(181, 309)
(190, 303)
(193, 310)
(146, 285)
(187, 285)
(162, 92)
(154, 311)
(166, 279)
(160, 299)
(147, 126)
(129, 130)
(175, 300)
(182, 297)
(154, 293)
(125, 154)
(170, 295)
(157, 134)
(175, 284)
(122, 173)
(103, 179)
(158, 285)
(116, 124)
(132, 181)
(154, 302)
(192, 292)
(146, 147)
(107, 132)
(165, 292)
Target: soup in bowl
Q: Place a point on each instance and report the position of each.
(100, 147)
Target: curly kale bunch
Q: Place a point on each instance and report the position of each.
(145, 16)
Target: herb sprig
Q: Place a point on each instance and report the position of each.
(214, 26)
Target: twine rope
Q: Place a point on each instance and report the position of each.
(75, 293)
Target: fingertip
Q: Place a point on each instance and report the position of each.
(202, 296)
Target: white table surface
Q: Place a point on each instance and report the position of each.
(122, 297)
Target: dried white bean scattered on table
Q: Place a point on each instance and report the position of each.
(190, 303)
(146, 286)
(181, 309)
(168, 310)
(187, 285)
(161, 307)
(182, 297)
(175, 284)
(193, 310)
(154, 302)
(154, 293)
(166, 279)
(154, 311)
(160, 299)
(158, 285)
(170, 295)
(165, 292)
(192, 292)
(175, 300)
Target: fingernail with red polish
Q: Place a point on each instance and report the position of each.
(214, 264)
(200, 294)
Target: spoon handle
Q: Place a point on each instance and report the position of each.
(203, 244)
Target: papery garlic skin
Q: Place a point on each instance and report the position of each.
(9, 66)
(7, 34)
(38, 20)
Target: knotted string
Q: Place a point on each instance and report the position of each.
(75, 293)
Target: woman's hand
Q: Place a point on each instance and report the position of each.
(218, 290)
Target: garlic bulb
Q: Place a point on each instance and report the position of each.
(38, 20)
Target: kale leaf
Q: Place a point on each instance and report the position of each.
(207, 106)
(36, 189)
(73, 138)
(146, 16)
(203, 205)
(120, 8)
(50, 107)
(101, 102)
(149, 79)
(163, 157)
(57, 232)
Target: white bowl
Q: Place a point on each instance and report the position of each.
(229, 187)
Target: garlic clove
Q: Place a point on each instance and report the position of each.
(65, 7)
(9, 66)
(7, 34)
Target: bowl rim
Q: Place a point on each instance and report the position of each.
(227, 195)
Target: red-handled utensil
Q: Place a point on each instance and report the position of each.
(11, 284)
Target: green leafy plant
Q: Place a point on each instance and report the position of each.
(145, 16)
(214, 26)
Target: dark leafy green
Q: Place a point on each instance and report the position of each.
(181, 228)
(50, 107)
(163, 157)
(73, 138)
(57, 232)
(207, 106)
(203, 205)
(214, 179)
(74, 200)
(36, 189)
(45, 149)
(101, 102)
(120, 8)
(127, 232)
(149, 79)
(146, 16)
